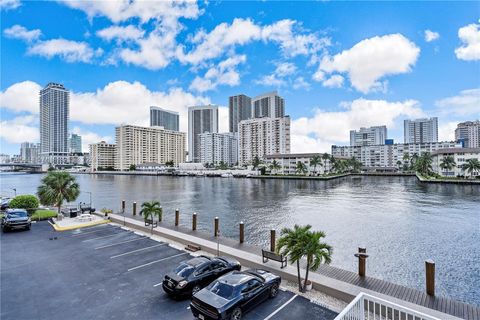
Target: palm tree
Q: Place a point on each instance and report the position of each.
(354, 164)
(325, 157)
(56, 187)
(399, 164)
(424, 163)
(316, 252)
(150, 210)
(290, 244)
(315, 161)
(301, 168)
(471, 166)
(413, 161)
(256, 162)
(339, 166)
(447, 163)
(275, 166)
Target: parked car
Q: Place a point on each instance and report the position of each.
(16, 219)
(230, 296)
(194, 274)
(4, 203)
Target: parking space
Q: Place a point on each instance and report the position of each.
(105, 272)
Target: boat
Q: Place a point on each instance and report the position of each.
(227, 175)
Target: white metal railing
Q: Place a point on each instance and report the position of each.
(368, 307)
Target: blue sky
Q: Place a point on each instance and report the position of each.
(339, 65)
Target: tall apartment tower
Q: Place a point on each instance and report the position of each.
(468, 133)
(29, 152)
(269, 105)
(54, 117)
(75, 143)
(421, 130)
(167, 119)
(201, 119)
(368, 136)
(239, 108)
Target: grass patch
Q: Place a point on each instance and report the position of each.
(43, 214)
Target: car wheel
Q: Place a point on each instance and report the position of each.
(236, 314)
(273, 290)
(195, 289)
(27, 227)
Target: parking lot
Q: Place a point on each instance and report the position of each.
(105, 272)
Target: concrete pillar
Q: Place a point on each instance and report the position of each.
(430, 277)
(272, 240)
(134, 208)
(194, 221)
(242, 231)
(215, 227)
(177, 217)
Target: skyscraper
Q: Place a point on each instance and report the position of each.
(468, 133)
(368, 136)
(29, 152)
(239, 108)
(201, 119)
(421, 130)
(269, 104)
(75, 143)
(167, 119)
(54, 117)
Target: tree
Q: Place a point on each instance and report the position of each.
(315, 161)
(316, 252)
(424, 164)
(354, 164)
(150, 210)
(447, 163)
(471, 166)
(170, 163)
(222, 165)
(274, 166)
(325, 158)
(27, 201)
(132, 167)
(256, 162)
(413, 161)
(57, 187)
(301, 168)
(399, 164)
(339, 166)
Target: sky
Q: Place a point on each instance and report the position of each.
(339, 65)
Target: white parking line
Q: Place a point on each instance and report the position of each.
(156, 261)
(126, 253)
(110, 235)
(88, 232)
(281, 307)
(156, 285)
(114, 244)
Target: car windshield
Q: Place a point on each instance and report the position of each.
(17, 214)
(222, 289)
(184, 270)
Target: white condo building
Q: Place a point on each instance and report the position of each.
(468, 133)
(218, 147)
(29, 152)
(368, 136)
(459, 155)
(288, 163)
(137, 145)
(262, 136)
(102, 156)
(269, 104)
(54, 118)
(201, 119)
(421, 130)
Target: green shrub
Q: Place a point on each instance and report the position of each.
(27, 201)
(44, 215)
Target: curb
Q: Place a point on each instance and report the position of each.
(90, 224)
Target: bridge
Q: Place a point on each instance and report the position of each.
(32, 167)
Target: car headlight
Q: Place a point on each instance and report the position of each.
(182, 284)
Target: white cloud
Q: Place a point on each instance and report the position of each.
(22, 33)
(372, 59)
(222, 74)
(70, 51)
(300, 83)
(10, 4)
(332, 127)
(89, 137)
(446, 131)
(335, 81)
(21, 96)
(120, 33)
(431, 35)
(20, 129)
(223, 119)
(470, 37)
(467, 102)
(270, 80)
(279, 77)
(285, 69)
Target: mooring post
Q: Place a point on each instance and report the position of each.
(242, 231)
(177, 217)
(161, 215)
(134, 208)
(194, 221)
(123, 206)
(272, 240)
(362, 261)
(430, 276)
(216, 227)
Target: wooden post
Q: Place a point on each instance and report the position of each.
(216, 227)
(430, 277)
(177, 217)
(160, 216)
(134, 208)
(242, 231)
(194, 221)
(123, 206)
(362, 261)
(272, 240)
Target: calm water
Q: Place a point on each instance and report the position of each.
(400, 221)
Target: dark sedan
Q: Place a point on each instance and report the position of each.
(194, 274)
(230, 296)
(16, 219)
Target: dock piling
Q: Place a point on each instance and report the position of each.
(123, 206)
(362, 261)
(216, 227)
(177, 217)
(272, 240)
(430, 276)
(242, 231)
(194, 221)
(134, 208)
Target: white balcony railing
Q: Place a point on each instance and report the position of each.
(368, 307)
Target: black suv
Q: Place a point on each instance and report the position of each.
(194, 274)
(16, 219)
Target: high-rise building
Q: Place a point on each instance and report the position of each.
(269, 104)
(421, 130)
(75, 142)
(262, 136)
(137, 145)
(167, 119)
(218, 147)
(102, 156)
(54, 117)
(29, 152)
(368, 136)
(201, 119)
(468, 133)
(239, 108)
